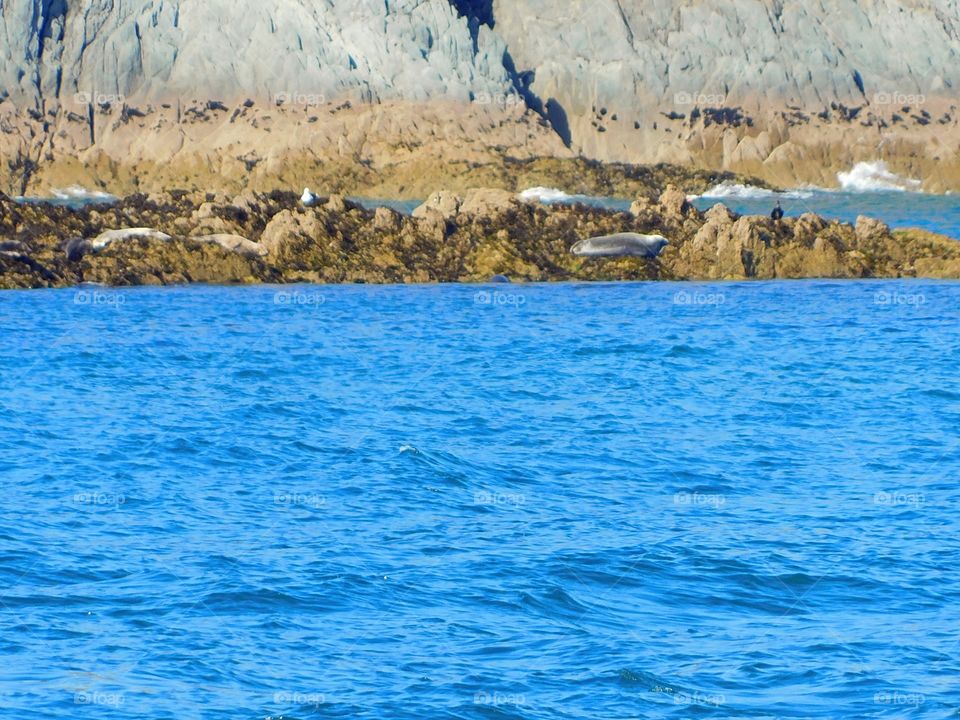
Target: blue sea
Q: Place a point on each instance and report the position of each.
(899, 209)
(637, 500)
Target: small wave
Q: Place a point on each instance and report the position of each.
(73, 196)
(546, 195)
(739, 191)
(80, 193)
(875, 177)
(651, 682)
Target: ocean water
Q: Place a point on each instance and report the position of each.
(935, 213)
(633, 500)
(899, 209)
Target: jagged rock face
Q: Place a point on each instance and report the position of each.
(295, 50)
(632, 57)
(787, 90)
(624, 79)
(273, 238)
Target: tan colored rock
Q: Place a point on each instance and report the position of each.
(488, 201)
(286, 225)
(160, 198)
(673, 201)
(642, 206)
(742, 250)
(706, 238)
(870, 229)
(211, 226)
(807, 227)
(385, 219)
(336, 203)
(442, 202)
(205, 211)
(719, 215)
(433, 225)
(249, 202)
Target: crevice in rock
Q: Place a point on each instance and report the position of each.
(482, 10)
(557, 117)
(50, 11)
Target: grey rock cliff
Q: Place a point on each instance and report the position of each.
(789, 90)
(631, 55)
(170, 49)
(622, 64)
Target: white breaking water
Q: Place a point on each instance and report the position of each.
(875, 177)
(749, 192)
(545, 194)
(80, 193)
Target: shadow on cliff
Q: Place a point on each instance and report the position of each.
(480, 12)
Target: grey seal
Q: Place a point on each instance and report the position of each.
(621, 245)
(111, 236)
(233, 243)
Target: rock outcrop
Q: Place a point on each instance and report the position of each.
(245, 93)
(747, 78)
(294, 52)
(274, 238)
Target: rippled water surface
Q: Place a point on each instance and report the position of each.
(565, 501)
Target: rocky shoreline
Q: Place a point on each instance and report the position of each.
(188, 237)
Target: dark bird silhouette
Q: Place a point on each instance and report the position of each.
(777, 213)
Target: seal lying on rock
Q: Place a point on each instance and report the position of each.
(110, 236)
(234, 243)
(75, 248)
(621, 245)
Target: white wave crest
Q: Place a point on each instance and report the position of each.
(78, 192)
(739, 191)
(874, 177)
(545, 194)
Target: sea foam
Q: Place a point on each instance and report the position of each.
(749, 192)
(545, 194)
(875, 177)
(81, 194)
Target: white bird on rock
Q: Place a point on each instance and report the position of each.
(308, 198)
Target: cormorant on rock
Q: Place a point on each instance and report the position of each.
(777, 213)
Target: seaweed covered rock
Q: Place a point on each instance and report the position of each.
(165, 238)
